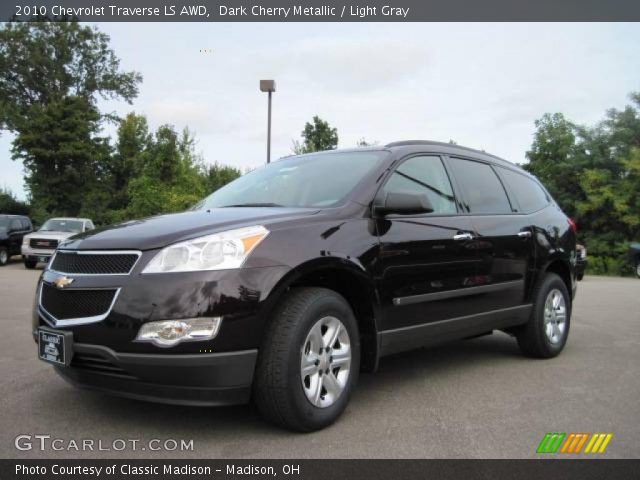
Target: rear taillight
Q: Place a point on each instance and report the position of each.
(572, 225)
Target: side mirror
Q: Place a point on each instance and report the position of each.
(403, 203)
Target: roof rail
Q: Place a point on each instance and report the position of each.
(407, 143)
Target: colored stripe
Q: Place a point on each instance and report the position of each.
(542, 448)
(567, 442)
(582, 440)
(557, 441)
(576, 440)
(596, 445)
(594, 437)
(605, 443)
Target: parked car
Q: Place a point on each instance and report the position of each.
(581, 261)
(634, 256)
(40, 246)
(282, 285)
(12, 230)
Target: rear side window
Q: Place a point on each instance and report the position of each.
(528, 193)
(26, 224)
(481, 187)
(424, 174)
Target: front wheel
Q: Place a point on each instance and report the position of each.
(309, 360)
(30, 264)
(4, 256)
(545, 335)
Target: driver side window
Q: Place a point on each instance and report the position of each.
(16, 226)
(425, 174)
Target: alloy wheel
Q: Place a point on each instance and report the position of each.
(555, 316)
(325, 362)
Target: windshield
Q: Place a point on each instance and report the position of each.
(322, 180)
(61, 225)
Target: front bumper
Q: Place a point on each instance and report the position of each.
(29, 253)
(241, 297)
(202, 379)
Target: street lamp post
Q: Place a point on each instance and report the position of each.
(270, 87)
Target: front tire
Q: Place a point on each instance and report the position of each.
(4, 256)
(545, 335)
(30, 264)
(309, 360)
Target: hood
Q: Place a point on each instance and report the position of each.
(50, 234)
(163, 230)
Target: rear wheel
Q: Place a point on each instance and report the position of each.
(309, 360)
(4, 256)
(545, 335)
(30, 264)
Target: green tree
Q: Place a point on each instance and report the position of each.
(53, 74)
(216, 176)
(593, 172)
(171, 177)
(10, 204)
(44, 61)
(317, 136)
(62, 153)
(552, 158)
(133, 142)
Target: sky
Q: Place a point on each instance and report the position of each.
(480, 84)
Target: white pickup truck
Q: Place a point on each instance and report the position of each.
(39, 246)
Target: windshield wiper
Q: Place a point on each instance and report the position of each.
(253, 205)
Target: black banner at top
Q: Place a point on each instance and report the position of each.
(325, 10)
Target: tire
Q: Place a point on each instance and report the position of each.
(4, 256)
(638, 268)
(580, 276)
(30, 264)
(540, 339)
(282, 394)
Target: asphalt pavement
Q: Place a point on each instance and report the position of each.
(470, 399)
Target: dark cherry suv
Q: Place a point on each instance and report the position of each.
(286, 283)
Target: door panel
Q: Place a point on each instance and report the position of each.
(15, 236)
(426, 262)
(503, 243)
(504, 258)
(423, 272)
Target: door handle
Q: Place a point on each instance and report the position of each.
(462, 236)
(524, 234)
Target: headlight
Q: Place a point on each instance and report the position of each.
(220, 251)
(167, 333)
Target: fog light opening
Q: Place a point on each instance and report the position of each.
(167, 333)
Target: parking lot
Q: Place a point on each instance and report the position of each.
(471, 399)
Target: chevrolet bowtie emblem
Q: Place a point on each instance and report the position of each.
(62, 282)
